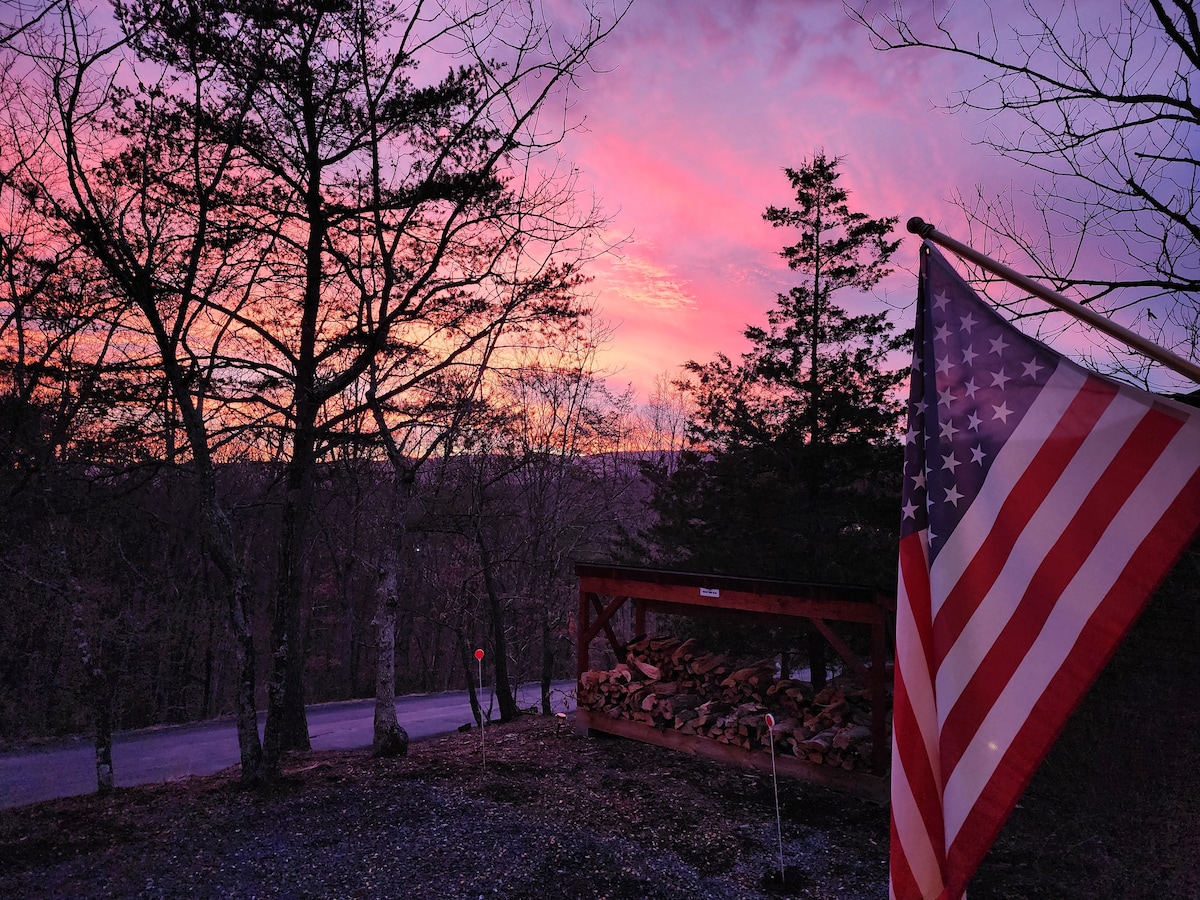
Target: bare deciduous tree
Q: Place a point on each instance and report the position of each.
(306, 229)
(1102, 107)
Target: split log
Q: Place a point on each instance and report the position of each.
(851, 735)
(664, 645)
(670, 707)
(685, 652)
(639, 644)
(818, 742)
(684, 716)
(705, 664)
(785, 727)
(654, 673)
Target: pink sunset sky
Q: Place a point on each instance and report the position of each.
(693, 114)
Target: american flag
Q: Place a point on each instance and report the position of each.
(1042, 506)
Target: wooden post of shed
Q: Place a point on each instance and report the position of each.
(584, 620)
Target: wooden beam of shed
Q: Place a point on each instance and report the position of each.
(581, 627)
(844, 651)
(864, 784)
(726, 599)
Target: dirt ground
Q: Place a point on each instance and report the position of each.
(551, 815)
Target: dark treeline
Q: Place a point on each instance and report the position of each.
(110, 611)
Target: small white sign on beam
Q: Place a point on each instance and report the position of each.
(710, 592)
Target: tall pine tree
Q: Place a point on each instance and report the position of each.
(793, 451)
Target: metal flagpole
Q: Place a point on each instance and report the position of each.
(1184, 367)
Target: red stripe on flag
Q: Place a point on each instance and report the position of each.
(1097, 642)
(1018, 508)
(903, 885)
(1094, 516)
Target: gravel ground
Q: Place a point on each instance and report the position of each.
(557, 815)
(553, 815)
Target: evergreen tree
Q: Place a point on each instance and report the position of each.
(791, 468)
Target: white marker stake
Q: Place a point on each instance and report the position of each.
(775, 782)
(482, 739)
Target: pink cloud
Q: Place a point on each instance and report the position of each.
(634, 279)
(685, 139)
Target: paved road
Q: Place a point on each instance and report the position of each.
(166, 753)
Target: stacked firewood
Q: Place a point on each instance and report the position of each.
(667, 682)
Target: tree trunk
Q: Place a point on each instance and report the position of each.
(218, 540)
(250, 750)
(103, 709)
(476, 709)
(390, 739)
(210, 656)
(547, 662)
(249, 745)
(287, 725)
(504, 694)
(101, 662)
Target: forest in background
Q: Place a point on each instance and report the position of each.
(109, 602)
